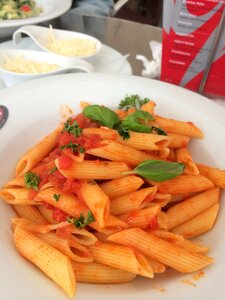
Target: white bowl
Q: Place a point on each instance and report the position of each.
(40, 37)
(65, 65)
(51, 10)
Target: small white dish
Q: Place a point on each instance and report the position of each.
(51, 10)
(65, 65)
(40, 35)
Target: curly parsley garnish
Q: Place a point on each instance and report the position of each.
(74, 147)
(132, 101)
(81, 222)
(32, 180)
(56, 197)
(53, 170)
(72, 128)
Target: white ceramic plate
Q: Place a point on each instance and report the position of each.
(33, 112)
(51, 9)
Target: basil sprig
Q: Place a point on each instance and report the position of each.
(158, 170)
(138, 121)
(101, 114)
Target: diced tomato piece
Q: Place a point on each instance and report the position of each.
(32, 193)
(64, 232)
(65, 162)
(59, 215)
(25, 8)
(71, 186)
(64, 138)
(48, 206)
(85, 122)
(57, 179)
(153, 224)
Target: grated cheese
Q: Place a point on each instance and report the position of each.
(70, 47)
(21, 65)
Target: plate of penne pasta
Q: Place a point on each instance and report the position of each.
(111, 186)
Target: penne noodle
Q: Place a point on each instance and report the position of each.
(53, 263)
(217, 176)
(47, 214)
(145, 141)
(67, 202)
(17, 196)
(94, 169)
(161, 250)
(184, 156)
(178, 140)
(193, 246)
(113, 224)
(117, 152)
(83, 236)
(183, 184)
(33, 156)
(199, 224)
(149, 107)
(157, 267)
(121, 257)
(132, 201)
(140, 218)
(180, 127)
(70, 248)
(160, 199)
(189, 208)
(167, 235)
(121, 186)
(96, 200)
(17, 182)
(29, 213)
(162, 220)
(99, 273)
(104, 133)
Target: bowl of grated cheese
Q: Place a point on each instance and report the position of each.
(61, 42)
(20, 65)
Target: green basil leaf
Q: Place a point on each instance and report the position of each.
(158, 170)
(132, 121)
(101, 114)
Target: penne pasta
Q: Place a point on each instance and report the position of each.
(140, 218)
(183, 184)
(179, 127)
(70, 248)
(30, 213)
(178, 140)
(96, 200)
(94, 169)
(184, 156)
(35, 154)
(132, 201)
(53, 263)
(198, 224)
(68, 203)
(145, 141)
(17, 196)
(121, 257)
(99, 273)
(217, 176)
(121, 186)
(117, 152)
(189, 208)
(103, 132)
(161, 250)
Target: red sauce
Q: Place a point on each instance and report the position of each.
(153, 224)
(32, 194)
(59, 215)
(57, 179)
(65, 162)
(85, 122)
(71, 186)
